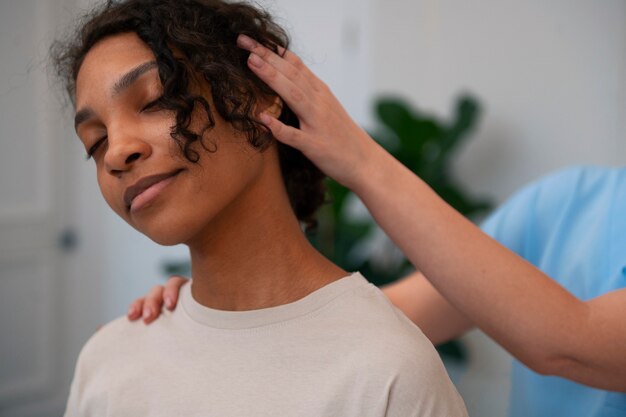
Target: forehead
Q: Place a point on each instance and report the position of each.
(107, 60)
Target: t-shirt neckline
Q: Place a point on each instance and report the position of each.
(236, 320)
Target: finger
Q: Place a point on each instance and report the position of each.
(135, 310)
(171, 291)
(286, 134)
(285, 61)
(152, 304)
(289, 79)
(295, 60)
(293, 95)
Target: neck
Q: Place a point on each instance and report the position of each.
(254, 256)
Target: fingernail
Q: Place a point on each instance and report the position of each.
(246, 42)
(146, 313)
(131, 311)
(169, 303)
(265, 118)
(255, 60)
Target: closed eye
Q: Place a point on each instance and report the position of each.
(95, 147)
(154, 105)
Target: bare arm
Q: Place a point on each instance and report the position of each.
(525, 311)
(422, 303)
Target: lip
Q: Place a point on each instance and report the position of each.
(144, 184)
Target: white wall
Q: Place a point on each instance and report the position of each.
(332, 38)
(551, 76)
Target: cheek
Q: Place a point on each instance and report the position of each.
(159, 125)
(226, 173)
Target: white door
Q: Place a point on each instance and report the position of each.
(31, 331)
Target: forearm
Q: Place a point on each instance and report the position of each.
(530, 315)
(429, 310)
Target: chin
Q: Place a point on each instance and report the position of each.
(164, 233)
(166, 240)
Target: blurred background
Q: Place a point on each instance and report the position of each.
(550, 78)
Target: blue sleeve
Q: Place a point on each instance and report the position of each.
(524, 221)
(510, 223)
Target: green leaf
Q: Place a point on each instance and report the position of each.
(395, 114)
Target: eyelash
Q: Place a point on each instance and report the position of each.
(152, 104)
(96, 145)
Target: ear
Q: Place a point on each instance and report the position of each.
(275, 107)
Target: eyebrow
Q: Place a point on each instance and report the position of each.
(82, 116)
(131, 76)
(120, 85)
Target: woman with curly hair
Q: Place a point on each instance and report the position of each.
(169, 106)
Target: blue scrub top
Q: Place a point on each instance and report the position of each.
(572, 226)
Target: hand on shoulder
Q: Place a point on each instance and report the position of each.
(149, 307)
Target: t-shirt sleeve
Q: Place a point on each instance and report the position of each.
(522, 221)
(435, 400)
(423, 389)
(416, 383)
(87, 381)
(76, 389)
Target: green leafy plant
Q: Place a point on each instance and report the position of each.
(427, 146)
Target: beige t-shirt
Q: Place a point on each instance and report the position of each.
(343, 350)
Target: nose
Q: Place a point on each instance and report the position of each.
(124, 149)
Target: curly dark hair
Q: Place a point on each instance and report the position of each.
(203, 33)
